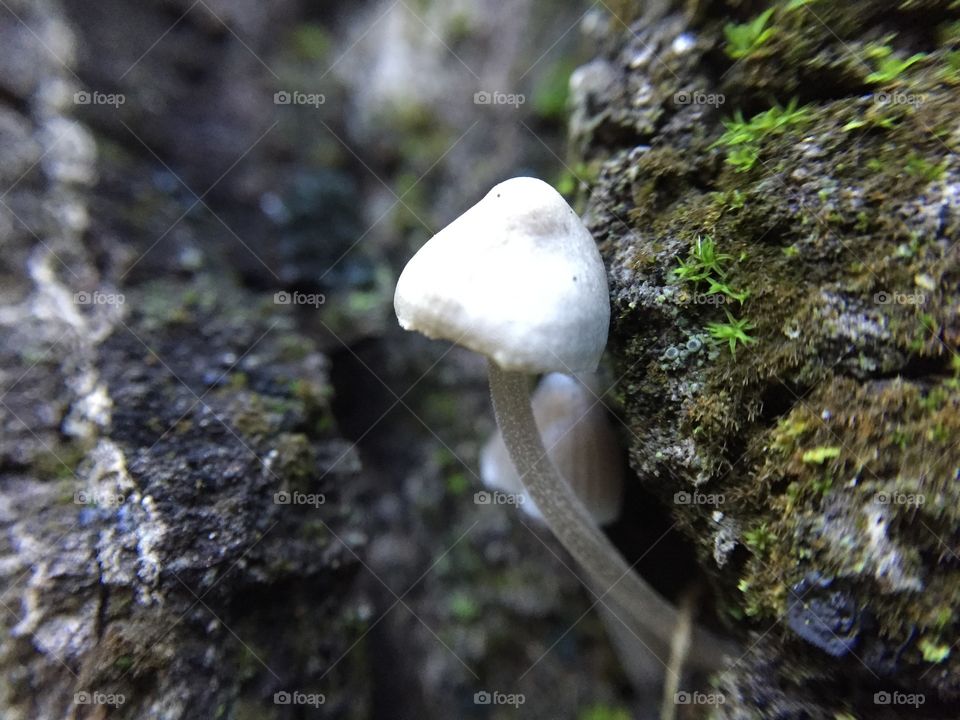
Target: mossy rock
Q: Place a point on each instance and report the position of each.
(807, 380)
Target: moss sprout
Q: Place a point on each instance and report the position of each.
(743, 136)
(887, 66)
(744, 39)
(732, 332)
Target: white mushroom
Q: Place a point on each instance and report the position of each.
(518, 278)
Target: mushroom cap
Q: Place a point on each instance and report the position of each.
(517, 277)
(580, 443)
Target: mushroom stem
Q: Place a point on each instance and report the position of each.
(650, 617)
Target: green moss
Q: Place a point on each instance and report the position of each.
(944, 618)
(165, 303)
(703, 262)
(951, 66)
(822, 485)
(935, 398)
(743, 137)
(954, 382)
(743, 158)
(926, 170)
(296, 461)
(821, 454)
(705, 265)
(872, 120)
(715, 287)
(934, 652)
(890, 433)
(745, 39)
(569, 180)
(736, 200)
(887, 66)
(733, 332)
(775, 120)
(760, 539)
